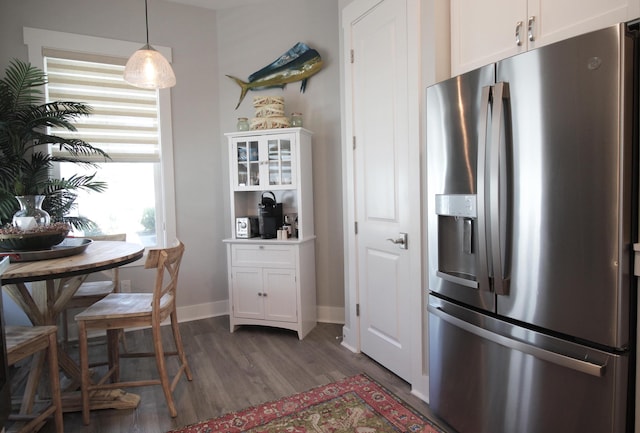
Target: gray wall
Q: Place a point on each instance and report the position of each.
(252, 37)
(206, 45)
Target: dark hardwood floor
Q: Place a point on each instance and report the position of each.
(233, 371)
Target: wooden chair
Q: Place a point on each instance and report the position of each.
(131, 310)
(22, 342)
(91, 292)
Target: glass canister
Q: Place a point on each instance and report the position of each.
(296, 120)
(243, 124)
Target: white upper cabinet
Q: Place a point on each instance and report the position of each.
(263, 162)
(277, 161)
(484, 31)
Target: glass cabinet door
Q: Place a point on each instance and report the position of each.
(279, 161)
(248, 162)
(261, 162)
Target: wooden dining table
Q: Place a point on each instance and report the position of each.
(42, 289)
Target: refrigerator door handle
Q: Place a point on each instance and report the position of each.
(557, 358)
(497, 160)
(483, 254)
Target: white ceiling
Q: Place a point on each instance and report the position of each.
(218, 4)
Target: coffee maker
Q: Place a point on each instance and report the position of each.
(269, 215)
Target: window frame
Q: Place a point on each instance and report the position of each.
(37, 39)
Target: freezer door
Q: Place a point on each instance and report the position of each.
(487, 376)
(457, 115)
(572, 204)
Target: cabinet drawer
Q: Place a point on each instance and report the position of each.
(272, 256)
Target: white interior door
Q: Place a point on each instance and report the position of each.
(381, 166)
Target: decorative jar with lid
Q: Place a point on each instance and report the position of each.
(243, 124)
(296, 120)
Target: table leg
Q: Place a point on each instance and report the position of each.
(34, 378)
(66, 288)
(21, 296)
(70, 368)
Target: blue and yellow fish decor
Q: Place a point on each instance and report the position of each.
(297, 64)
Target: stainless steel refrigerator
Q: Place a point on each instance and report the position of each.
(532, 210)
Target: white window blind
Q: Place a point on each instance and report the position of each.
(124, 122)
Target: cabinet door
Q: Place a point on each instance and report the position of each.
(247, 293)
(557, 20)
(280, 295)
(278, 161)
(245, 156)
(485, 31)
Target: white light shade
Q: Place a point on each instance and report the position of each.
(147, 68)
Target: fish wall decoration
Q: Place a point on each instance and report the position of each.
(297, 64)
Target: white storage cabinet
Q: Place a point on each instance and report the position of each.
(272, 281)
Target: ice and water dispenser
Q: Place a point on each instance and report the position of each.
(457, 240)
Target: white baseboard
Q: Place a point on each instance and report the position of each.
(420, 388)
(202, 311)
(221, 308)
(348, 340)
(330, 314)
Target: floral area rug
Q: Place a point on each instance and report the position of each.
(355, 404)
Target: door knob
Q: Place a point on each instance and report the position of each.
(401, 241)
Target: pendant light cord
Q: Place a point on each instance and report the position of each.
(146, 19)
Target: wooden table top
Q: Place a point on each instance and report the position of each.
(99, 255)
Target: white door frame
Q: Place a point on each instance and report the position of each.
(351, 335)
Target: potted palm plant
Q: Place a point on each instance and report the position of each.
(25, 162)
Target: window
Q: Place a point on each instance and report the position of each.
(132, 125)
(124, 124)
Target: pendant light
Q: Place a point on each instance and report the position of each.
(147, 68)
